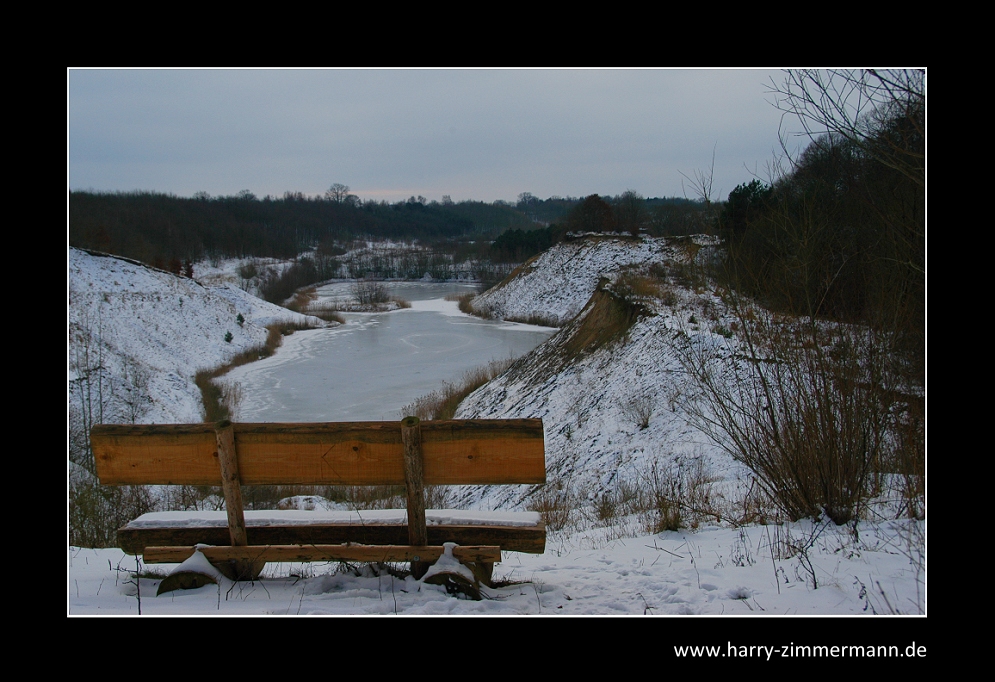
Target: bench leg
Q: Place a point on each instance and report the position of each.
(482, 571)
(239, 569)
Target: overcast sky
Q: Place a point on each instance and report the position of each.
(392, 134)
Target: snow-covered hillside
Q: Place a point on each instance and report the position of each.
(557, 283)
(137, 336)
(610, 413)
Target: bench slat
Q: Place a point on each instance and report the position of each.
(463, 452)
(528, 539)
(365, 553)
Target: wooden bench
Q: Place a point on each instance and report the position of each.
(409, 453)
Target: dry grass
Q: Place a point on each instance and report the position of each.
(632, 285)
(537, 319)
(665, 495)
(556, 504)
(464, 302)
(219, 400)
(302, 300)
(609, 318)
(442, 404)
(328, 313)
(676, 495)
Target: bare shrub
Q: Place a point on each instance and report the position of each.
(192, 497)
(307, 270)
(246, 273)
(556, 505)
(804, 405)
(752, 507)
(135, 393)
(909, 459)
(639, 410)
(610, 506)
(89, 384)
(97, 511)
(369, 292)
(675, 495)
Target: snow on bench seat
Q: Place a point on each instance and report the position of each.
(257, 519)
(511, 531)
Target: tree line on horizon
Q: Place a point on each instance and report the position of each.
(170, 232)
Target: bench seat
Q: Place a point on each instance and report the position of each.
(512, 531)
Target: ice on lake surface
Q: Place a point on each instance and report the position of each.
(376, 363)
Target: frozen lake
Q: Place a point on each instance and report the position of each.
(376, 363)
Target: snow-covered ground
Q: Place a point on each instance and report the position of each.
(712, 571)
(612, 417)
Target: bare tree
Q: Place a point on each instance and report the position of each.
(883, 112)
(630, 212)
(700, 182)
(368, 292)
(339, 193)
(135, 396)
(89, 390)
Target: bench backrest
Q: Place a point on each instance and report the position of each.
(455, 452)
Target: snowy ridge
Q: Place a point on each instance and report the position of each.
(557, 283)
(144, 333)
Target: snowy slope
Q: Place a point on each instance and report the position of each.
(142, 334)
(591, 404)
(558, 282)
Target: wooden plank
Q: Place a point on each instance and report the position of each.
(356, 453)
(232, 487)
(230, 483)
(367, 553)
(414, 477)
(529, 539)
(414, 480)
(464, 452)
(173, 453)
(483, 451)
